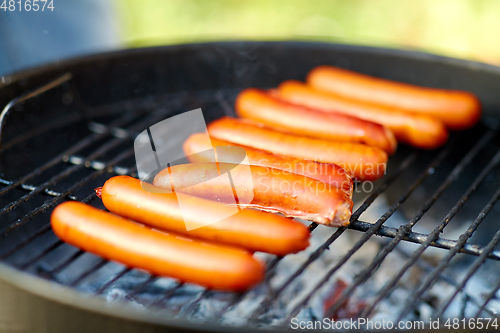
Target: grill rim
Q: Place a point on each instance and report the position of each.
(71, 297)
(60, 66)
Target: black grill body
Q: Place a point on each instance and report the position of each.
(78, 131)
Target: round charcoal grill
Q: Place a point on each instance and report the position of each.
(67, 127)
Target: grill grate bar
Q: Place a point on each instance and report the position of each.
(435, 234)
(115, 131)
(26, 241)
(103, 149)
(191, 307)
(77, 147)
(151, 279)
(235, 300)
(98, 165)
(66, 262)
(489, 297)
(419, 238)
(368, 201)
(170, 292)
(371, 198)
(415, 298)
(44, 252)
(475, 266)
(317, 253)
(38, 233)
(270, 271)
(271, 266)
(312, 257)
(53, 180)
(374, 227)
(56, 200)
(113, 280)
(88, 272)
(85, 114)
(132, 108)
(74, 149)
(428, 268)
(30, 188)
(30, 94)
(405, 229)
(54, 125)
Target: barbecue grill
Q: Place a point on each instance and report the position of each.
(69, 126)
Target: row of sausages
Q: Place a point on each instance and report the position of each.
(315, 137)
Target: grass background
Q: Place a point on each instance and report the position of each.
(467, 29)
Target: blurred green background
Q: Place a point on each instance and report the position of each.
(467, 29)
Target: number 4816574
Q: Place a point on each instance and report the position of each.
(27, 5)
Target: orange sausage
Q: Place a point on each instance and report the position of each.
(116, 238)
(257, 231)
(259, 105)
(326, 172)
(361, 161)
(457, 109)
(417, 130)
(267, 189)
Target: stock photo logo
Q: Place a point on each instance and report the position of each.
(159, 148)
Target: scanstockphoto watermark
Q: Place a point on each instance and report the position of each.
(161, 146)
(319, 168)
(382, 325)
(355, 324)
(315, 180)
(27, 5)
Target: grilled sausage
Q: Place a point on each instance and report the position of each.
(189, 260)
(326, 172)
(254, 230)
(457, 109)
(417, 130)
(262, 107)
(361, 161)
(263, 188)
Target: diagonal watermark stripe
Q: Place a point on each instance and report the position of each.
(157, 148)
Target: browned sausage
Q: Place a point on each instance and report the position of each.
(326, 172)
(257, 231)
(457, 109)
(361, 161)
(417, 130)
(262, 107)
(189, 260)
(262, 188)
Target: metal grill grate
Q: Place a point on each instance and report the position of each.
(107, 150)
